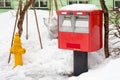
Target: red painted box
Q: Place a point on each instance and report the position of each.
(80, 30)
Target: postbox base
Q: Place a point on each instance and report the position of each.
(80, 62)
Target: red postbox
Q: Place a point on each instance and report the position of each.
(80, 30)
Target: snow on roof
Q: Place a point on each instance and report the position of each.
(81, 7)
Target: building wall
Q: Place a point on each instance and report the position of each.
(109, 3)
(14, 4)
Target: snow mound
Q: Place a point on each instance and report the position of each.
(81, 7)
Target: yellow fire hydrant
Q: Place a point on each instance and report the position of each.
(17, 50)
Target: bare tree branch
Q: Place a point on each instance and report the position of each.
(22, 15)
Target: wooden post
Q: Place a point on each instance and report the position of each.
(38, 29)
(52, 7)
(56, 5)
(50, 2)
(17, 13)
(27, 25)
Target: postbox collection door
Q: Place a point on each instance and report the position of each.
(74, 23)
(81, 24)
(66, 23)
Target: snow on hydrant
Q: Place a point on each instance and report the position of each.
(17, 51)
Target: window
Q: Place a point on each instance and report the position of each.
(83, 2)
(1, 3)
(72, 1)
(78, 1)
(70, 23)
(5, 3)
(117, 4)
(41, 4)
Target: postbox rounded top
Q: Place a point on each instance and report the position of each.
(80, 7)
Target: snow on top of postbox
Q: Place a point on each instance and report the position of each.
(81, 7)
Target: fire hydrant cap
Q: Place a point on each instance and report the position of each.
(16, 38)
(16, 34)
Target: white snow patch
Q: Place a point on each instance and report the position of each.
(80, 7)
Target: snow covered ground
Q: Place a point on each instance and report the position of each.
(49, 63)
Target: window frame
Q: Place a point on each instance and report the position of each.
(5, 2)
(72, 2)
(117, 5)
(38, 3)
(78, 2)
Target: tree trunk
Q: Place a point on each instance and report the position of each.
(22, 15)
(106, 27)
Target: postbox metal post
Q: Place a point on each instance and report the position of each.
(80, 62)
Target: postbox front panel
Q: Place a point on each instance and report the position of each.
(73, 32)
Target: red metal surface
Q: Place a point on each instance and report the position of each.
(87, 42)
(73, 41)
